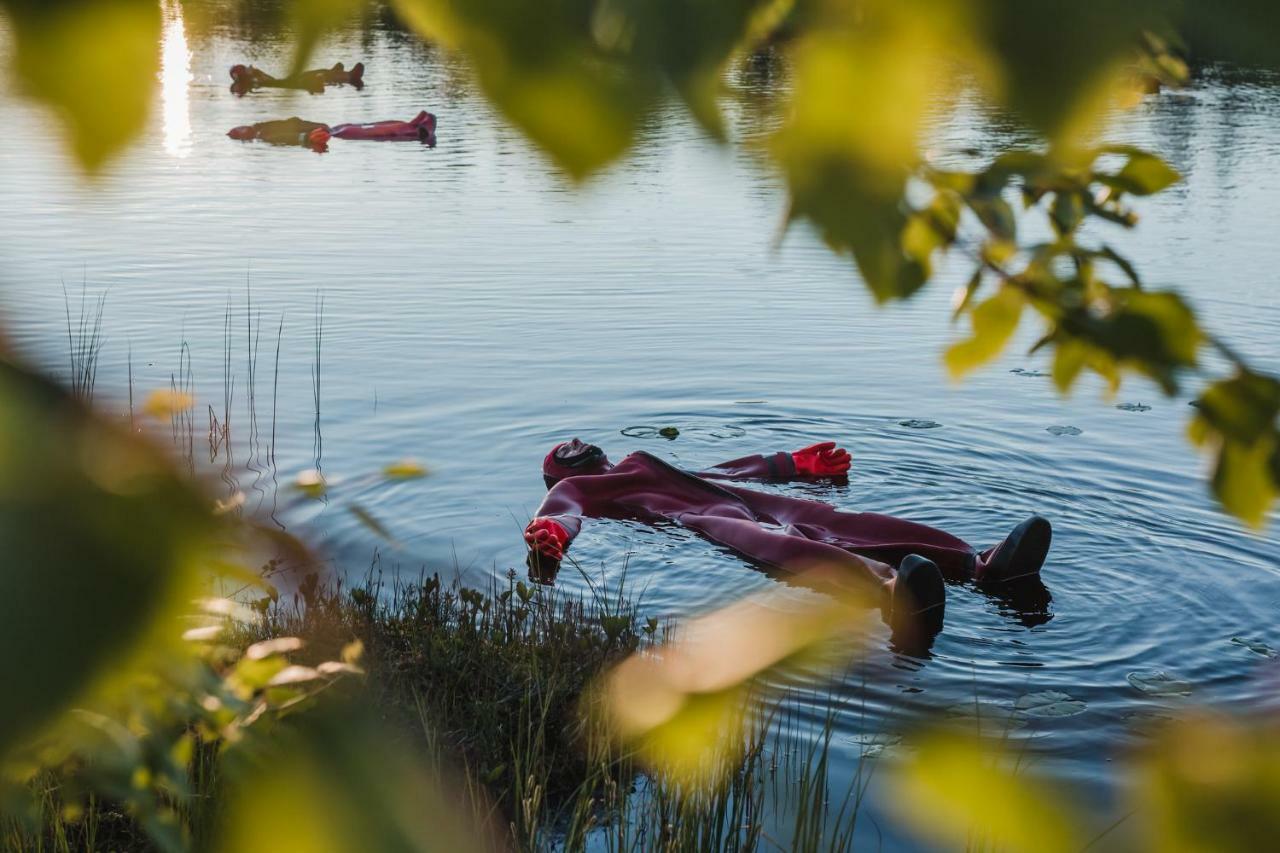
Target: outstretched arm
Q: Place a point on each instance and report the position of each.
(824, 459)
(557, 521)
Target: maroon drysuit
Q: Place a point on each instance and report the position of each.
(790, 534)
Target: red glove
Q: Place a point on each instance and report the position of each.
(548, 537)
(822, 460)
(318, 139)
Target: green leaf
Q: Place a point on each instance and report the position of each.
(994, 322)
(405, 469)
(92, 62)
(1242, 480)
(1067, 212)
(966, 295)
(996, 214)
(865, 79)
(1243, 408)
(1153, 333)
(337, 781)
(969, 790)
(1144, 174)
(540, 65)
(311, 20)
(98, 534)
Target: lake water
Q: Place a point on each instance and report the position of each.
(478, 308)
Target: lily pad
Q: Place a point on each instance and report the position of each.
(1255, 646)
(668, 432)
(919, 423)
(1157, 682)
(1049, 703)
(873, 744)
(1064, 430)
(988, 719)
(1133, 407)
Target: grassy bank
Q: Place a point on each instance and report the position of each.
(493, 689)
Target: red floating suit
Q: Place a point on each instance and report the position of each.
(421, 127)
(785, 533)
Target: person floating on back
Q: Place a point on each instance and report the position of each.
(246, 78)
(289, 131)
(316, 136)
(902, 562)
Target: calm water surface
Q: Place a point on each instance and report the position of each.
(477, 309)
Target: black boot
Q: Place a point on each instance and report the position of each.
(919, 601)
(1020, 555)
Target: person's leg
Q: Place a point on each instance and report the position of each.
(1020, 555)
(912, 599)
(889, 540)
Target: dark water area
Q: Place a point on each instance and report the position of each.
(478, 308)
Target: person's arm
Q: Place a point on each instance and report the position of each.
(824, 459)
(557, 520)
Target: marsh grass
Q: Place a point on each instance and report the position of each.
(84, 341)
(492, 688)
(497, 683)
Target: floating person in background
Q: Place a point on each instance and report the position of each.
(902, 562)
(246, 78)
(421, 127)
(289, 131)
(316, 136)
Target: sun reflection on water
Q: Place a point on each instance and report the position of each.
(175, 81)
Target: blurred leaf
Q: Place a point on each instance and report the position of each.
(98, 534)
(1244, 407)
(335, 782)
(164, 403)
(370, 521)
(311, 483)
(994, 322)
(577, 76)
(865, 76)
(1241, 31)
(93, 62)
(685, 41)
(1237, 417)
(1242, 480)
(405, 469)
(969, 793)
(1153, 333)
(538, 62)
(268, 648)
(1207, 784)
(684, 708)
(1058, 62)
(310, 20)
(1143, 174)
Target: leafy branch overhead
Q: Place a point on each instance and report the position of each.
(868, 79)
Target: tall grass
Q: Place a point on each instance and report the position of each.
(84, 341)
(493, 688)
(497, 684)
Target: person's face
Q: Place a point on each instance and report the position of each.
(578, 454)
